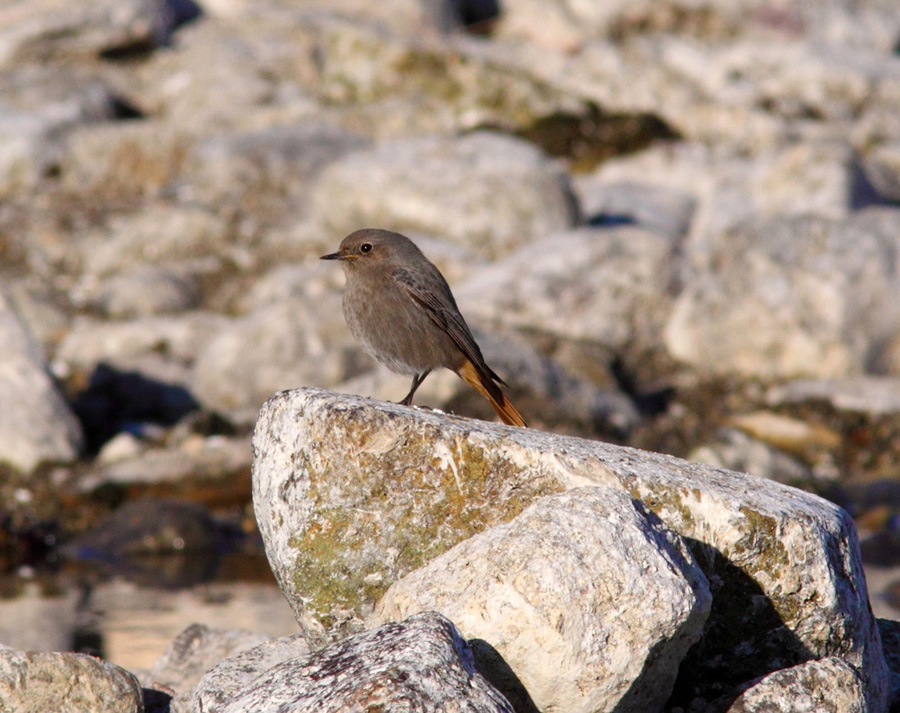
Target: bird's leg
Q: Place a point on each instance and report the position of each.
(416, 382)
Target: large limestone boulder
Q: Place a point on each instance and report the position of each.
(352, 495)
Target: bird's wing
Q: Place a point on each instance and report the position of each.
(443, 312)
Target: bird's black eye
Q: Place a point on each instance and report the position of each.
(365, 248)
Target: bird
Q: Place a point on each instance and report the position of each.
(400, 309)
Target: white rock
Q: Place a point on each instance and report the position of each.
(352, 494)
(485, 190)
(560, 593)
(35, 422)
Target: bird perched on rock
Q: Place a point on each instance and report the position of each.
(400, 309)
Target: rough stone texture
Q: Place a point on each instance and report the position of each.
(485, 190)
(890, 639)
(232, 675)
(564, 609)
(193, 652)
(35, 422)
(793, 297)
(351, 495)
(829, 685)
(421, 664)
(35, 682)
(610, 286)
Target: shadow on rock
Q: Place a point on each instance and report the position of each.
(745, 638)
(491, 664)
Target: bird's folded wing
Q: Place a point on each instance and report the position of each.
(446, 316)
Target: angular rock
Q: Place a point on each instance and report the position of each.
(421, 664)
(612, 286)
(350, 495)
(214, 458)
(232, 675)
(890, 639)
(53, 681)
(488, 191)
(829, 685)
(793, 297)
(193, 652)
(40, 107)
(563, 608)
(36, 424)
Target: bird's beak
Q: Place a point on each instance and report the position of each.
(333, 256)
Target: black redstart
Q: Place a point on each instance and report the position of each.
(400, 309)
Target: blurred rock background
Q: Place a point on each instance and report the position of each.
(673, 225)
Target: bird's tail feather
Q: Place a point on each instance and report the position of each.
(469, 373)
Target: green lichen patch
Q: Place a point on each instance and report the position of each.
(378, 513)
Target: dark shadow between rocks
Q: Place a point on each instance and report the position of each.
(744, 639)
(116, 401)
(500, 675)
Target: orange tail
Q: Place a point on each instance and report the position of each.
(502, 405)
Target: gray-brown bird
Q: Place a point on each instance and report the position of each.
(400, 309)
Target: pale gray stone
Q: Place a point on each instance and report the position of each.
(269, 166)
(422, 664)
(54, 29)
(32, 681)
(159, 234)
(801, 297)
(119, 163)
(213, 458)
(162, 347)
(193, 652)
(735, 450)
(233, 674)
(875, 395)
(612, 286)
(566, 610)
(351, 495)
(36, 424)
(488, 191)
(144, 290)
(829, 685)
(288, 343)
(655, 208)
